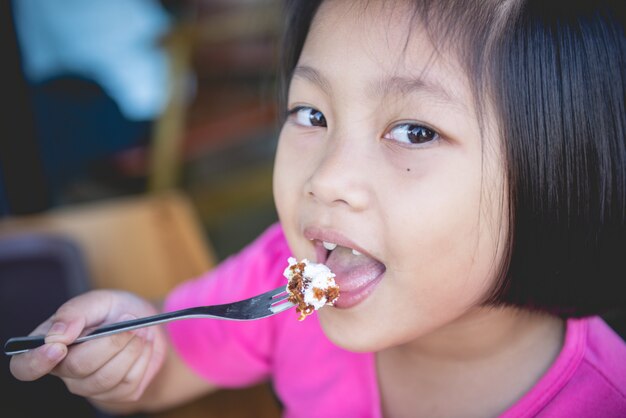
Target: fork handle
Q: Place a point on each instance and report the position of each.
(19, 345)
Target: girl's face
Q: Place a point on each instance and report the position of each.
(382, 153)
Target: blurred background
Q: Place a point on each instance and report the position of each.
(117, 98)
(136, 153)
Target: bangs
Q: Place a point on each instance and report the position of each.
(468, 30)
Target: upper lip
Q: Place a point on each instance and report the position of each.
(330, 235)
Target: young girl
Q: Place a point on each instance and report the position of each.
(461, 167)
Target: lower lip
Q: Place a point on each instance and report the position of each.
(348, 299)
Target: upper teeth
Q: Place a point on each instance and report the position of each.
(331, 246)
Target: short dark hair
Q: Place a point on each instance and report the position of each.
(554, 73)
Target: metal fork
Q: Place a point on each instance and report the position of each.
(261, 306)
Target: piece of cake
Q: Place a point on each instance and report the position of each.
(311, 286)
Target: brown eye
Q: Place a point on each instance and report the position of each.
(410, 133)
(308, 116)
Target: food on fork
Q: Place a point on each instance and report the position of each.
(311, 286)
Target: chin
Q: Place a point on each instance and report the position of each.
(342, 331)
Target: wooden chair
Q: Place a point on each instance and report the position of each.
(146, 245)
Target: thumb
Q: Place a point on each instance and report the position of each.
(34, 364)
(84, 311)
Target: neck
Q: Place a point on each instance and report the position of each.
(486, 333)
(492, 354)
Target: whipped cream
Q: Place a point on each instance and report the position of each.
(311, 286)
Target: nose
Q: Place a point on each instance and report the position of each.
(340, 177)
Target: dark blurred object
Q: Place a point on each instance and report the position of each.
(97, 85)
(37, 274)
(23, 188)
(80, 124)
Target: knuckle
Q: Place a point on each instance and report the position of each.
(120, 393)
(74, 387)
(103, 382)
(135, 348)
(133, 391)
(134, 396)
(119, 341)
(65, 311)
(75, 366)
(130, 388)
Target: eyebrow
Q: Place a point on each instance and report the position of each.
(383, 87)
(312, 75)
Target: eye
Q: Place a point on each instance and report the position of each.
(411, 133)
(307, 116)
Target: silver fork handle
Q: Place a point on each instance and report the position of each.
(19, 345)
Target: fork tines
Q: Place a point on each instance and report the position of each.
(279, 296)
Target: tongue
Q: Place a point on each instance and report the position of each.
(352, 271)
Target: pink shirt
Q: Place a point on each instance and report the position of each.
(314, 378)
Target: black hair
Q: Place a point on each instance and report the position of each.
(554, 74)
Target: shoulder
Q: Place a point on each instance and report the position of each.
(597, 383)
(588, 378)
(263, 261)
(605, 355)
(255, 269)
(270, 246)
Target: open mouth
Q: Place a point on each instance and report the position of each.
(356, 272)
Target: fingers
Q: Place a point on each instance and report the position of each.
(36, 363)
(132, 385)
(60, 329)
(110, 374)
(110, 369)
(90, 356)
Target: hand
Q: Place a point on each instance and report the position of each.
(117, 368)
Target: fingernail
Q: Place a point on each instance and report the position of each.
(55, 352)
(58, 328)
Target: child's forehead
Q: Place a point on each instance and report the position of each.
(381, 43)
(392, 22)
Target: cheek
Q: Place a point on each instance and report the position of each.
(283, 183)
(444, 232)
(288, 198)
(289, 183)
